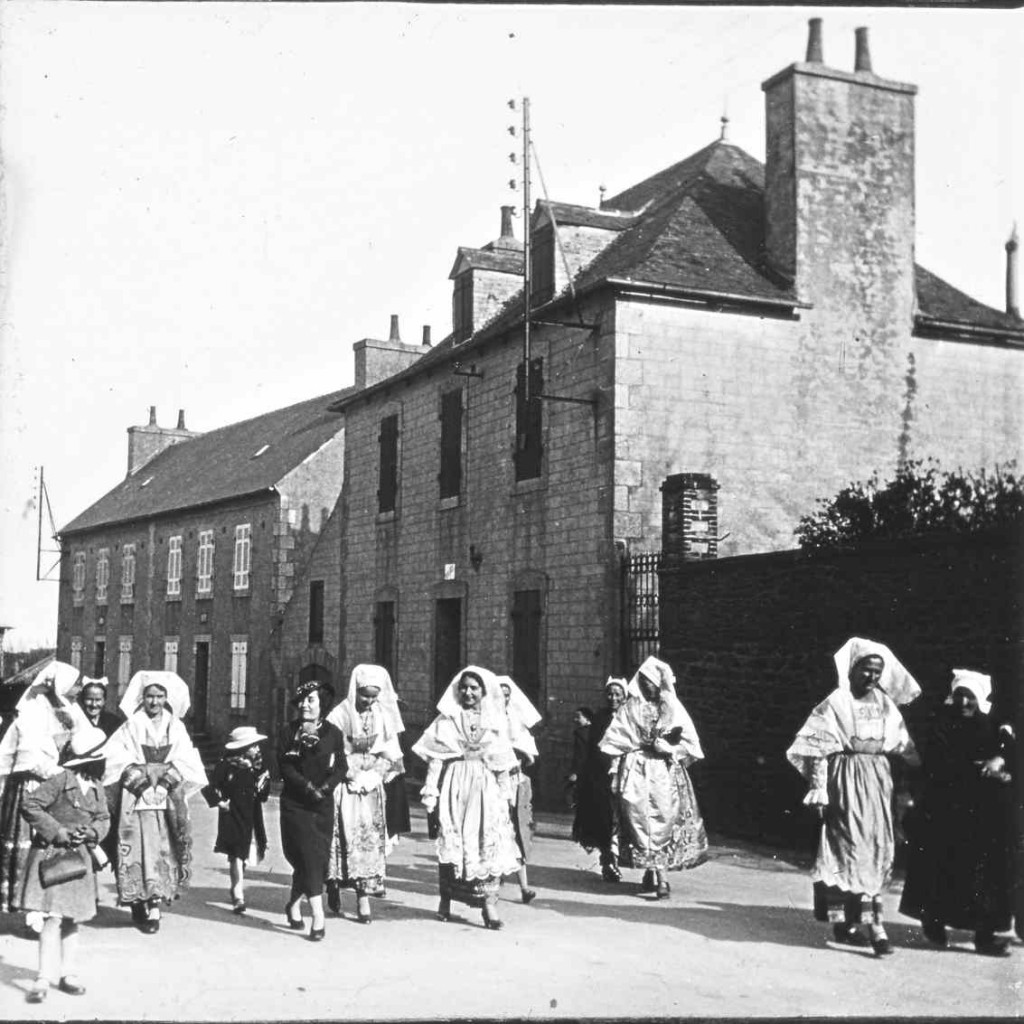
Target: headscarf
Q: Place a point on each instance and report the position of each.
(616, 681)
(345, 716)
(492, 702)
(896, 682)
(978, 684)
(522, 716)
(58, 677)
(102, 682)
(178, 699)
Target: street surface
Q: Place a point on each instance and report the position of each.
(737, 938)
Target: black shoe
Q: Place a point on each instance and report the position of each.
(936, 934)
(528, 895)
(334, 897)
(36, 994)
(882, 947)
(140, 913)
(296, 926)
(493, 923)
(316, 934)
(444, 911)
(649, 882)
(610, 873)
(849, 935)
(663, 890)
(150, 927)
(239, 907)
(71, 987)
(992, 947)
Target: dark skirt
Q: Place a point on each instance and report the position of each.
(474, 892)
(15, 841)
(594, 825)
(522, 817)
(306, 843)
(396, 807)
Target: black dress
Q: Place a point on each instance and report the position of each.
(594, 825)
(960, 858)
(235, 780)
(310, 766)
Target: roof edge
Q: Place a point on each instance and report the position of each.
(952, 328)
(706, 295)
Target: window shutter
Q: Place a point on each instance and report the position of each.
(387, 492)
(450, 477)
(529, 449)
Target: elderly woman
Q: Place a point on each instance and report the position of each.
(522, 717)
(652, 741)
(311, 762)
(843, 752)
(959, 873)
(91, 706)
(370, 723)
(595, 825)
(29, 753)
(469, 760)
(153, 759)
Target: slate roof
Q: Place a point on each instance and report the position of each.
(219, 465)
(941, 301)
(508, 261)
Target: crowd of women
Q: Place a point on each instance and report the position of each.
(82, 787)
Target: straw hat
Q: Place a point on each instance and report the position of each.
(243, 736)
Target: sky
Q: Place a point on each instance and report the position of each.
(205, 205)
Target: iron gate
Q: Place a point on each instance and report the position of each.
(640, 607)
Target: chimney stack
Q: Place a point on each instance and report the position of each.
(506, 222)
(814, 47)
(145, 443)
(152, 415)
(394, 335)
(181, 420)
(1012, 301)
(426, 335)
(862, 60)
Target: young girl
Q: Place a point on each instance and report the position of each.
(67, 812)
(239, 785)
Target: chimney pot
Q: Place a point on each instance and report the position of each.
(181, 419)
(862, 60)
(1012, 300)
(426, 335)
(814, 47)
(152, 415)
(394, 335)
(506, 222)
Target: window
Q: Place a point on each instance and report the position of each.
(316, 611)
(462, 306)
(76, 652)
(239, 660)
(102, 574)
(384, 635)
(450, 476)
(529, 448)
(527, 610)
(174, 567)
(128, 572)
(243, 554)
(387, 492)
(170, 655)
(78, 576)
(204, 562)
(99, 657)
(124, 664)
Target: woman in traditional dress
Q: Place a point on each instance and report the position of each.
(843, 752)
(469, 760)
(29, 753)
(595, 824)
(311, 762)
(68, 814)
(522, 717)
(960, 869)
(653, 740)
(369, 721)
(152, 757)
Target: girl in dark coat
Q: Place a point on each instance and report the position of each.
(959, 872)
(67, 812)
(311, 760)
(239, 786)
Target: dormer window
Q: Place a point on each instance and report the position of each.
(462, 306)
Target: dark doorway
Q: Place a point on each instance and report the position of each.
(526, 640)
(200, 695)
(99, 657)
(447, 641)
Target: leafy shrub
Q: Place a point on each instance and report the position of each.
(920, 500)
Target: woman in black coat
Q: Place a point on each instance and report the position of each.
(311, 760)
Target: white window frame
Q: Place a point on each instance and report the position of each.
(204, 562)
(78, 575)
(76, 652)
(239, 674)
(128, 572)
(102, 574)
(171, 655)
(124, 663)
(243, 556)
(174, 566)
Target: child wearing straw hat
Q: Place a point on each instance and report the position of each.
(239, 785)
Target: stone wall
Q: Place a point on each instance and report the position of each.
(751, 640)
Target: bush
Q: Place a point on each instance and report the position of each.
(920, 500)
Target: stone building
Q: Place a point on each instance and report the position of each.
(766, 326)
(193, 562)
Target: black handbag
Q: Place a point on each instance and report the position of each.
(66, 866)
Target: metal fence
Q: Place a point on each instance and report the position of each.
(640, 607)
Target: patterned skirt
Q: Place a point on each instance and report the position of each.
(360, 843)
(15, 840)
(154, 850)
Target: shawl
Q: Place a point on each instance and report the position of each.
(445, 740)
(58, 678)
(896, 681)
(978, 684)
(124, 748)
(522, 717)
(389, 719)
(628, 731)
(178, 700)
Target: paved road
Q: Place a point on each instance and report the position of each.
(735, 939)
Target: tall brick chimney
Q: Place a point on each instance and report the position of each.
(839, 186)
(689, 517)
(146, 442)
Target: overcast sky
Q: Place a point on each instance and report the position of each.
(205, 205)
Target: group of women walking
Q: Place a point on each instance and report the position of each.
(82, 786)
